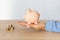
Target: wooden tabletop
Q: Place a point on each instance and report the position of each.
(22, 33)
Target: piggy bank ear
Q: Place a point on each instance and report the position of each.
(29, 10)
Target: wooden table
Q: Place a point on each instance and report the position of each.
(22, 33)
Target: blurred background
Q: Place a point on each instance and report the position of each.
(15, 9)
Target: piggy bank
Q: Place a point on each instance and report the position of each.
(31, 16)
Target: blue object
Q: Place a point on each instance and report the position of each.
(53, 26)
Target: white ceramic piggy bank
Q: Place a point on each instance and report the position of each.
(31, 16)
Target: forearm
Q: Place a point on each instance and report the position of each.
(53, 26)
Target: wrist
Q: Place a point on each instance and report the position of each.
(40, 26)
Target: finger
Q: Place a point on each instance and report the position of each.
(22, 23)
(25, 23)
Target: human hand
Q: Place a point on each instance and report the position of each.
(39, 26)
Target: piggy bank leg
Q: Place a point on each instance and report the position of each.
(28, 25)
(36, 23)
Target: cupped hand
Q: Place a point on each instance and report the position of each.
(39, 26)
